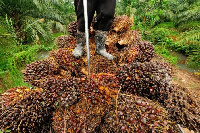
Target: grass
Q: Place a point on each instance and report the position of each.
(15, 56)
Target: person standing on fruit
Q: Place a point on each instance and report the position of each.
(105, 10)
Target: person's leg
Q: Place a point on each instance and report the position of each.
(80, 41)
(105, 16)
(80, 13)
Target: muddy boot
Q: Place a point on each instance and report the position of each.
(100, 38)
(80, 41)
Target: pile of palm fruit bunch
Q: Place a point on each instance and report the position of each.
(25, 110)
(101, 106)
(85, 115)
(128, 94)
(183, 108)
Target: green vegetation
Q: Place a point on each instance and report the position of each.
(169, 24)
(26, 28)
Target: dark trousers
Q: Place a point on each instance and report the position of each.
(105, 10)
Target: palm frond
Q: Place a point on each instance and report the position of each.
(189, 37)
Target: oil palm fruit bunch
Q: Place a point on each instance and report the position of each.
(16, 94)
(126, 55)
(66, 42)
(35, 72)
(72, 28)
(77, 118)
(129, 37)
(146, 51)
(30, 114)
(111, 41)
(61, 91)
(121, 24)
(86, 114)
(132, 113)
(66, 61)
(100, 64)
(183, 108)
(148, 79)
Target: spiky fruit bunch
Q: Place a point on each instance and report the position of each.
(183, 108)
(30, 114)
(66, 61)
(121, 24)
(106, 80)
(136, 114)
(149, 79)
(77, 118)
(72, 28)
(111, 40)
(66, 41)
(100, 64)
(98, 96)
(126, 55)
(62, 91)
(146, 51)
(16, 94)
(129, 37)
(36, 71)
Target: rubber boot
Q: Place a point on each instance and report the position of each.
(80, 42)
(100, 38)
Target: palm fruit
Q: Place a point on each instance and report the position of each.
(129, 37)
(66, 42)
(72, 28)
(35, 72)
(100, 64)
(31, 113)
(136, 114)
(112, 39)
(126, 55)
(183, 108)
(77, 118)
(121, 24)
(148, 79)
(85, 116)
(61, 91)
(16, 94)
(66, 61)
(146, 51)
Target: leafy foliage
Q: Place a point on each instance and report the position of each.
(36, 18)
